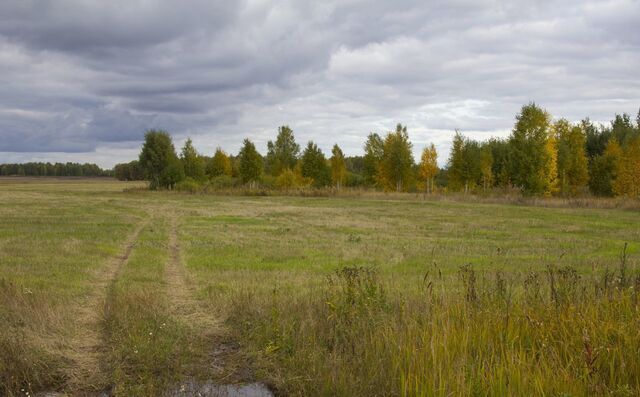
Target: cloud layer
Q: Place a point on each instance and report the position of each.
(84, 80)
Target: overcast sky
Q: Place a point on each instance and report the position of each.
(82, 81)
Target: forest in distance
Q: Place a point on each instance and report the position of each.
(542, 156)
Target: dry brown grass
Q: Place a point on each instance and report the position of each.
(34, 338)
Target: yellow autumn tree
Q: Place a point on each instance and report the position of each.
(627, 182)
(428, 167)
(550, 169)
(573, 171)
(219, 165)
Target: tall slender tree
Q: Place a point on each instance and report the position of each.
(338, 167)
(192, 162)
(373, 151)
(428, 167)
(551, 165)
(464, 163)
(486, 167)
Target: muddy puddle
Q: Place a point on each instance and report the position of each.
(195, 389)
(207, 389)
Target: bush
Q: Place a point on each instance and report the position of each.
(222, 182)
(188, 185)
(290, 179)
(354, 180)
(268, 181)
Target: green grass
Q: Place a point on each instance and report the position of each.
(325, 296)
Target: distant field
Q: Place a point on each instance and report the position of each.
(137, 291)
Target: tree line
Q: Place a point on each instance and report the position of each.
(540, 157)
(547, 157)
(53, 169)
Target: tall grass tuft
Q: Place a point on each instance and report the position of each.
(30, 356)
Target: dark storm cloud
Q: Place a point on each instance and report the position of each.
(91, 27)
(82, 76)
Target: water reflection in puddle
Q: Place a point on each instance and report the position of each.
(189, 389)
(195, 389)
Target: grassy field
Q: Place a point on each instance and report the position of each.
(131, 291)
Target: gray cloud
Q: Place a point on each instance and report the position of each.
(82, 78)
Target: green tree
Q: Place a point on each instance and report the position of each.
(500, 167)
(531, 145)
(573, 169)
(456, 176)
(623, 130)
(428, 168)
(338, 167)
(313, 165)
(464, 164)
(59, 169)
(172, 174)
(397, 160)
(604, 169)
(373, 151)
(596, 138)
(192, 162)
(130, 171)
(283, 153)
(219, 165)
(158, 160)
(250, 163)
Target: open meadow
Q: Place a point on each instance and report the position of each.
(104, 287)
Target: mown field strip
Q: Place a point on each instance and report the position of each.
(88, 348)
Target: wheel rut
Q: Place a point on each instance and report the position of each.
(88, 347)
(181, 291)
(222, 360)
